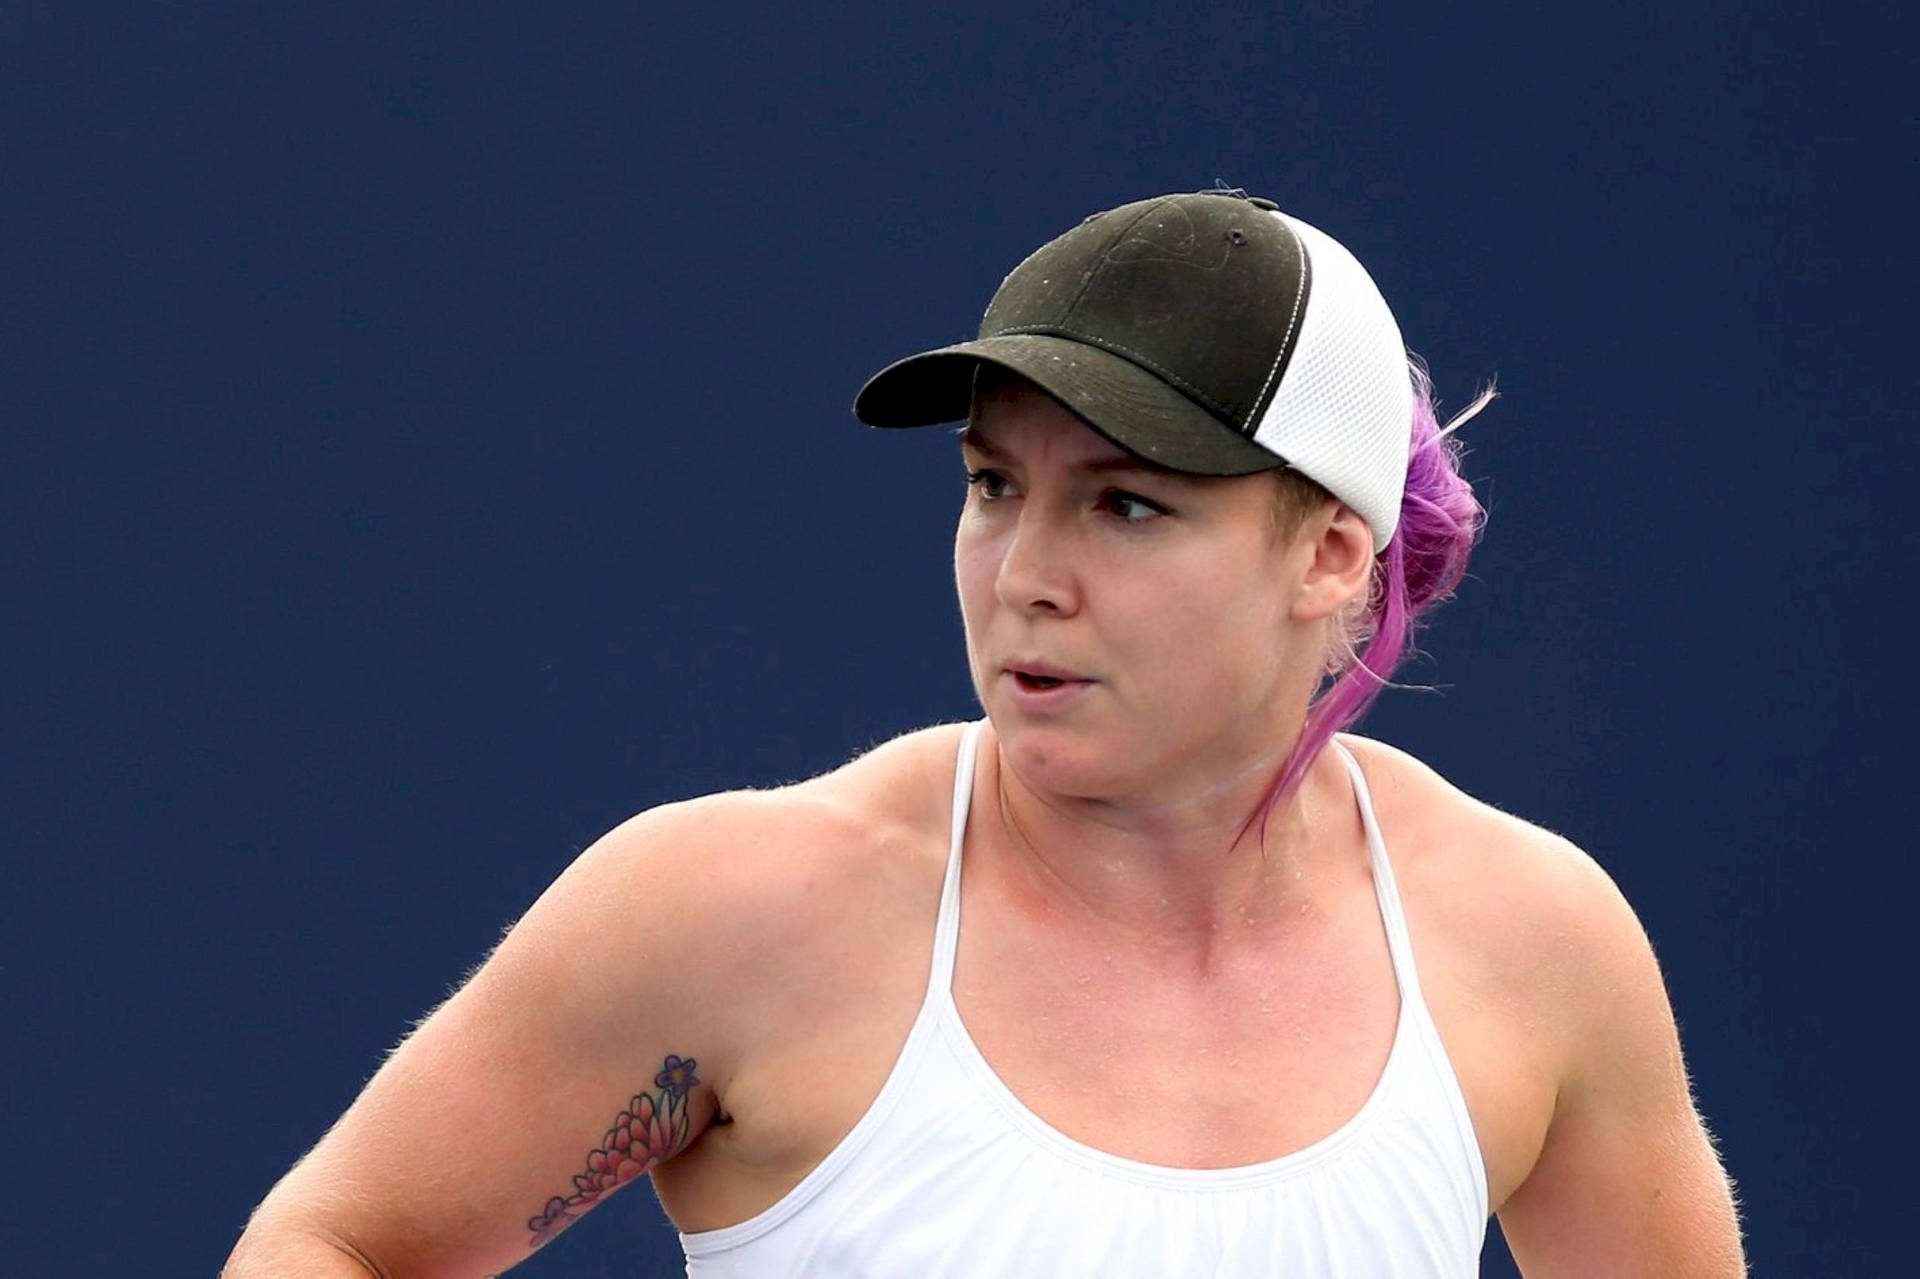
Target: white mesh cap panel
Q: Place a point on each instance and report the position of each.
(1343, 415)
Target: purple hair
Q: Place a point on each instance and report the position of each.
(1440, 520)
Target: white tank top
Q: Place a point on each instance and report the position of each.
(948, 1174)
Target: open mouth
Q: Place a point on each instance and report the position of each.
(1037, 681)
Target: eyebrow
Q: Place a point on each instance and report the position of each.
(972, 438)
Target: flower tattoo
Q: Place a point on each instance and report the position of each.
(676, 1076)
(649, 1131)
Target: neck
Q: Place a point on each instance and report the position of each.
(1202, 865)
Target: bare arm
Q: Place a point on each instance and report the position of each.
(584, 1052)
(1627, 1182)
(295, 1253)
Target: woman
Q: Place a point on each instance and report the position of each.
(1231, 994)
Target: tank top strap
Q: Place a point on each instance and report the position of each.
(1385, 890)
(946, 935)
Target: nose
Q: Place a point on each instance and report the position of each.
(1036, 573)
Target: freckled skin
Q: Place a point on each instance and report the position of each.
(1122, 925)
(1052, 563)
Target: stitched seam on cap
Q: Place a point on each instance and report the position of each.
(1087, 283)
(1286, 342)
(1133, 357)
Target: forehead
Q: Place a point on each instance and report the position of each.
(1013, 417)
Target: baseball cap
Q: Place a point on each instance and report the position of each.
(1208, 333)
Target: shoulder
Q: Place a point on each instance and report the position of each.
(738, 847)
(899, 788)
(738, 873)
(1533, 896)
(728, 911)
(1540, 974)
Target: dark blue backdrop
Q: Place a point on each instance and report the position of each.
(425, 443)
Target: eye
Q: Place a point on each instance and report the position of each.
(1130, 506)
(991, 484)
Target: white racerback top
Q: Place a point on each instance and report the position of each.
(948, 1174)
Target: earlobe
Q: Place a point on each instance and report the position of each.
(1341, 566)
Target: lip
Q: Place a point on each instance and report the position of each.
(1045, 670)
(1027, 697)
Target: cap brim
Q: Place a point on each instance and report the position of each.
(1119, 399)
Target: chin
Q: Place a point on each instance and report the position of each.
(1066, 758)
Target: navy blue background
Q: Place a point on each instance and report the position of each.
(424, 442)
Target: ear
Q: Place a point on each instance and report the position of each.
(1339, 547)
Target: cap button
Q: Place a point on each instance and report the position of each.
(1261, 202)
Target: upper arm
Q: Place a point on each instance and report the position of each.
(1627, 1182)
(585, 1049)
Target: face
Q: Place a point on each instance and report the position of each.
(1132, 631)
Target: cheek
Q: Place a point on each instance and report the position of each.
(974, 565)
(1229, 619)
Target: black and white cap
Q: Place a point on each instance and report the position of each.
(1210, 334)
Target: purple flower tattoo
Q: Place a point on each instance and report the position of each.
(676, 1076)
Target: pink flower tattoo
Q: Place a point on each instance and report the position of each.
(650, 1130)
